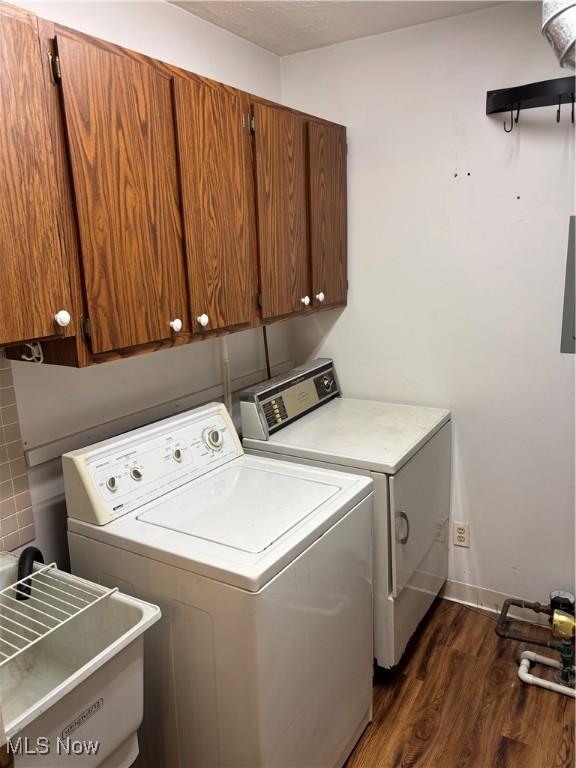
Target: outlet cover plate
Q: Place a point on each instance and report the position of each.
(461, 534)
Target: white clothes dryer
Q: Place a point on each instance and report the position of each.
(405, 449)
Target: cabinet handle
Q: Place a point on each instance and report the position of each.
(62, 318)
(176, 325)
(321, 298)
(203, 320)
(305, 300)
(403, 516)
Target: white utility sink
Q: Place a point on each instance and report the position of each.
(77, 680)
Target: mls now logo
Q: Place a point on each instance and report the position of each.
(43, 746)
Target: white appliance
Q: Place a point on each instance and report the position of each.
(263, 572)
(302, 417)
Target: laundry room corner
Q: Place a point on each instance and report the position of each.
(287, 384)
(458, 235)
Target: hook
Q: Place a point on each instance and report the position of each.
(36, 354)
(509, 130)
(558, 111)
(517, 114)
(572, 108)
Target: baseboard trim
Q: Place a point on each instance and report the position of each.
(488, 600)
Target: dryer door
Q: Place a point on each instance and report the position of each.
(419, 509)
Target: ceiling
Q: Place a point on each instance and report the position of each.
(292, 26)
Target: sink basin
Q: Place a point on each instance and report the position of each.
(79, 689)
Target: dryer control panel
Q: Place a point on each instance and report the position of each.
(116, 476)
(271, 405)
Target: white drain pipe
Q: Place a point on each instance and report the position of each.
(559, 28)
(529, 657)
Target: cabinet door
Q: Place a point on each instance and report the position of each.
(328, 231)
(218, 204)
(34, 283)
(281, 196)
(119, 117)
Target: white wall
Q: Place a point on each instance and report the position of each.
(456, 282)
(55, 401)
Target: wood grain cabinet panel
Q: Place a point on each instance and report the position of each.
(328, 226)
(137, 193)
(119, 116)
(218, 203)
(281, 194)
(34, 282)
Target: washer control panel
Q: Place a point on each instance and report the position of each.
(274, 403)
(130, 470)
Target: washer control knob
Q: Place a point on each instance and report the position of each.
(214, 439)
(203, 320)
(327, 382)
(62, 318)
(177, 454)
(305, 300)
(112, 483)
(136, 474)
(176, 325)
(321, 298)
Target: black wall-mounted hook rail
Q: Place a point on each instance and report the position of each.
(546, 93)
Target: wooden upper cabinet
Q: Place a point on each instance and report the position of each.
(281, 194)
(119, 117)
(140, 196)
(218, 203)
(328, 230)
(34, 282)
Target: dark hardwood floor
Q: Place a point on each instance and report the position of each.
(455, 701)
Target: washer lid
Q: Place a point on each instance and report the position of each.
(241, 507)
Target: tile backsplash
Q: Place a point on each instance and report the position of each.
(16, 517)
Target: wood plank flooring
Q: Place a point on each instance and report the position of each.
(455, 701)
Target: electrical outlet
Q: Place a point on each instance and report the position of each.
(461, 534)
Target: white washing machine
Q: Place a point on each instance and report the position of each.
(302, 417)
(263, 571)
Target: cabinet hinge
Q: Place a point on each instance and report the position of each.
(248, 123)
(259, 300)
(86, 330)
(55, 72)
